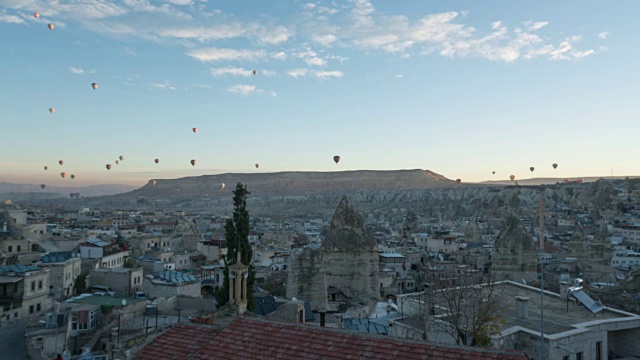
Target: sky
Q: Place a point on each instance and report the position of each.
(461, 88)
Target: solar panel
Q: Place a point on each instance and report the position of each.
(587, 301)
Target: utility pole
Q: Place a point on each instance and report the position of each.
(542, 220)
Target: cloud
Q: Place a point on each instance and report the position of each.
(268, 73)
(234, 71)
(226, 54)
(80, 71)
(296, 73)
(279, 55)
(219, 32)
(327, 74)
(537, 25)
(311, 58)
(603, 35)
(11, 19)
(398, 76)
(244, 89)
(325, 40)
(274, 36)
(179, 2)
(163, 86)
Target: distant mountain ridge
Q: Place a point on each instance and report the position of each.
(51, 191)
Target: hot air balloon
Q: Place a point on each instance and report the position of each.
(46, 168)
(43, 186)
(108, 166)
(156, 161)
(117, 162)
(121, 158)
(458, 181)
(63, 174)
(195, 130)
(532, 168)
(193, 162)
(222, 186)
(52, 110)
(555, 166)
(493, 172)
(512, 177)
(255, 72)
(60, 162)
(50, 26)
(153, 183)
(73, 176)
(36, 15)
(336, 159)
(94, 86)
(8, 202)
(257, 166)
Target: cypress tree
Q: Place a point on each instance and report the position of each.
(237, 239)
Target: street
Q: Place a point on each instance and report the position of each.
(12, 341)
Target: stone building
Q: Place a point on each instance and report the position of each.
(346, 262)
(64, 267)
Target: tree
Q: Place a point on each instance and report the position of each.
(457, 306)
(237, 240)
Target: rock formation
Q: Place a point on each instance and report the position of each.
(472, 231)
(515, 256)
(409, 227)
(347, 261)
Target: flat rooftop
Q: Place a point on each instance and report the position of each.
(556, 317)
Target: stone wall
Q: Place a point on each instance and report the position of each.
(625, 343)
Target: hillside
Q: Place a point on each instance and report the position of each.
(7, 189)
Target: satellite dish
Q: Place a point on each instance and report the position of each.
(124, 302)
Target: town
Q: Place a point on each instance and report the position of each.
(120, 284)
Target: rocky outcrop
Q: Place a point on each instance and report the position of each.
(346, 261)
(515, 255)
(472, 231)
(409, 227)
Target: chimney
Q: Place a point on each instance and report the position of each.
(564, 288)
(522, 307)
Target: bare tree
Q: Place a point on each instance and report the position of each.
(464, 305)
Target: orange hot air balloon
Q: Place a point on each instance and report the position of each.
(555, 166)
(73, 176)
(512, 177)
(153, 183)
(50, 26)
(458, 181)
(257, 166)
(195, 130)
(222, 186)
(336, 159)
(43, 186)
(63, 174)
(46, 168)
(108, 166)
(532, 168)
(255, 72)
(156, 161)
(61, 162)
(193, 162)
(94, 86)
(117, 162)
(121, 158)
(52, 110)
(36, 15)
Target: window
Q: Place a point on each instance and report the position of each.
(579, 356)
(40, 284)
(10, 248)
(30, 309)
(599, 350)
(18, 248)
(566, 357)
(33, 285)
(38, 307)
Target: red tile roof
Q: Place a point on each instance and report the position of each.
(178, 343)
(251, 338)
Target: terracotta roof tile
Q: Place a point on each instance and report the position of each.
(253, 338)
(178, 343)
